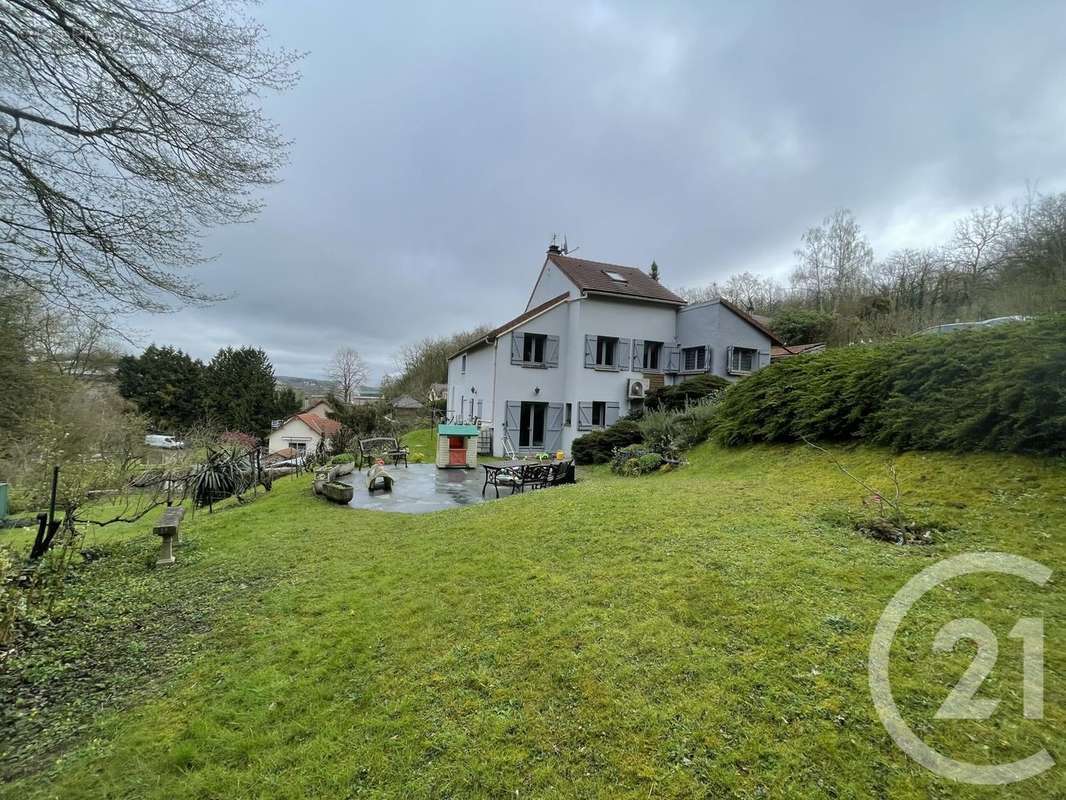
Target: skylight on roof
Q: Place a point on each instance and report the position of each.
(614, 276)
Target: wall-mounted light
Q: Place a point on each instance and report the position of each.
(536, 390)
(473, 390)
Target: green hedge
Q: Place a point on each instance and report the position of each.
(1001, 388)
(596, 447)
(680, 395)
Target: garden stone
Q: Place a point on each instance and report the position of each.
(168, 528)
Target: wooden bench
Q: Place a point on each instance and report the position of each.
(169, 528)
(383, 447)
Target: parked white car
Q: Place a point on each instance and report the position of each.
(165, 442)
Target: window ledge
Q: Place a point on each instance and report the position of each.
(532, 365)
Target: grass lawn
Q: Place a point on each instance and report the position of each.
(422, 441)
(701, 633)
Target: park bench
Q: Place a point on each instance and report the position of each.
(169, 528)
(383, 447)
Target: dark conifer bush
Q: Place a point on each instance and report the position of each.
(1001, 388)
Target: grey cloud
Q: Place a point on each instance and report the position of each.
(437, 147)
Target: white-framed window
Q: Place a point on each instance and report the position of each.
(617, 277)
(742, 360)
(653, 355)
(533, 346)
(299, 447)
(606, 346)
(694, 359)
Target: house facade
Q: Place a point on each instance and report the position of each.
(302, 433)
(593, 338)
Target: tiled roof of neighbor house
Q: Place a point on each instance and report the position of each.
(525, 316)
(406, 401)
(784, 351)
(320, 425)
(593, 276)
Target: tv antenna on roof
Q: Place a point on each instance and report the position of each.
(566, 247)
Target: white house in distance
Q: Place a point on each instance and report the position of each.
(302, 432)
(593, 338)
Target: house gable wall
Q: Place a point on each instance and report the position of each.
(714, 325)
(551, 283)
(293, 429)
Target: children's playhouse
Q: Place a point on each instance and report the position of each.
(457, 446)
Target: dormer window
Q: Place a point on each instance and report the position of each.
(617, 277)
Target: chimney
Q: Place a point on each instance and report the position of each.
(553, 249)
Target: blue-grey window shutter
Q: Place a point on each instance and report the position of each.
(551, 351)
(480, 408)
(672, 356)
(590, 351)
(612, 410)
(584, 416)
(638, 355)
(516, 347)
(553, 434)
(707, 364)
(513, 423)
(729, 359)
(622, 354)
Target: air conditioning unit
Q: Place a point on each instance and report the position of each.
(636, 389)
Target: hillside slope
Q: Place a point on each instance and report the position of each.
(700, 633)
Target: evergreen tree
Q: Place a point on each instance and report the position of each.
(167, 386)
(239, 390)
(654, 271)
(286, 402)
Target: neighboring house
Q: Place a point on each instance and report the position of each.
(406, 407)
(592, 339)
(319, 407)
(437, 391)
(779, 352)
(302, 432)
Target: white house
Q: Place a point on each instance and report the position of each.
(593, 338)
(302, 433)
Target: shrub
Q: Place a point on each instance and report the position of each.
(671, 433)
(997, 388)
(596, 447)
(681, 395)
(660, 430)
(634, 460)
(342, 458)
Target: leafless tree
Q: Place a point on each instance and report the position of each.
(700, 294)
(73, 344)
(976, 250)
(348, 371)
(753, 293)
(126, 128)
(834, 261)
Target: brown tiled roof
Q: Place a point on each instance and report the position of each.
(784, 351)
(320, 425)
(591, 276)
(525, 316)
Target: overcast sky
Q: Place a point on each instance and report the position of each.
(437, 147)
